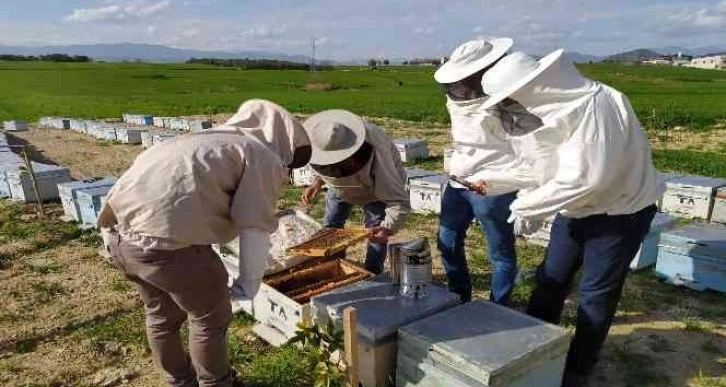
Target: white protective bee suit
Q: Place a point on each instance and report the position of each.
(590, 156)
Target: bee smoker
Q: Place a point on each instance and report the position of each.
(411, 267)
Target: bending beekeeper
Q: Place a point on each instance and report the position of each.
(179, 197)
(362, 167)
(479, 143)
(590, 165)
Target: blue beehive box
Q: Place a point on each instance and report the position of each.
(90, 203)
(381, 312)
(694, 256)
(648, 253)
(481, 344)
(68, 193)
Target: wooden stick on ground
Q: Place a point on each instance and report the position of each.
(350, 345)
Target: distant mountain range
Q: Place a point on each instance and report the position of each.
(164, 54)
(146, 53)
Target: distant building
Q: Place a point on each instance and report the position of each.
(658, 61)
(714, 62)
(670, 60)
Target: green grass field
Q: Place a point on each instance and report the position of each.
(665, 97)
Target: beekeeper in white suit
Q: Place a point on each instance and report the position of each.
(590, 165)
(480, 143)
(177, 199)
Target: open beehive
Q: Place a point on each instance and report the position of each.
(316, 277)
(325, 243)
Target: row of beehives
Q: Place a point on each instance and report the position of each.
(172, 123)
(15, 126)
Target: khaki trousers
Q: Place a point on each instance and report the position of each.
(189, 283)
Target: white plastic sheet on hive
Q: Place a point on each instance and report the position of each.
(691, 196)
(426, 193)
(412, 149)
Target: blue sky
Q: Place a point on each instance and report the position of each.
(348, 29)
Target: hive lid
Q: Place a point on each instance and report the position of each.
(413, 173)
(700, 183)
(483, 341)
(380, 308)
(93, 192)
(662, 222)
(73, 186)
(706, 240)
(40, 170)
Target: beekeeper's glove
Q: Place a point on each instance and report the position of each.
(254, 252)
(524, 226)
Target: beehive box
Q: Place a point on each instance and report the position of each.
(44, 122)
(303, 177)
(47, 178)
(412, 149)
(694, 256)
(719, 207)
(15, 126)
(138, 119)
(381, 312)
(89, 203)
(178, 123)
(199, 125)
(158, 138)
(648, 252)
(691, 197)
(68, 193)
(108, 134)
(129, 136)
(146, 139)
(160, 122)
(447, 159)
(414, 173)
(78, 126)
(481, 344)
(426, 193)
(6, 164)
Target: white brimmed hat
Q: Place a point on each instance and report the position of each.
(512, 73)
(335, 135)
(471, 57)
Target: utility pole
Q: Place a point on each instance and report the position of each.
(312, 64)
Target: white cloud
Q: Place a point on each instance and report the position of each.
(116, 11)
(424, 31)
(689, 19)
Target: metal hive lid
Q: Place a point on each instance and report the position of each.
(488, 343)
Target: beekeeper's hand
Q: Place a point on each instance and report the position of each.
(524, 226)
(480, 187)
(379, 234)
(312, 192)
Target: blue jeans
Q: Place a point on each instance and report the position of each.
(603, 246)
(336, 214)
(458, 208)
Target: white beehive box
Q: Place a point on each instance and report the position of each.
(47, 178)
(68, 194)
(108, 134)
(90, 203)
(160, 122)
(481, 344)
(426, 193)
(447, 159)
(78, 126)
(44, 122)
(412, 149)
(146, 139)
(666, 177)
(158, 138)
(648, 252)
(199, 125)
(381, 312)
(691, 196)
(15, 126)
(303, 177)
(129, 136)
(719, 207)
(178, 123)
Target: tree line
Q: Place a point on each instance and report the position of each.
(259, 64)
(46, 58)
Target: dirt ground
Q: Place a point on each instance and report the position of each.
(68, 318)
